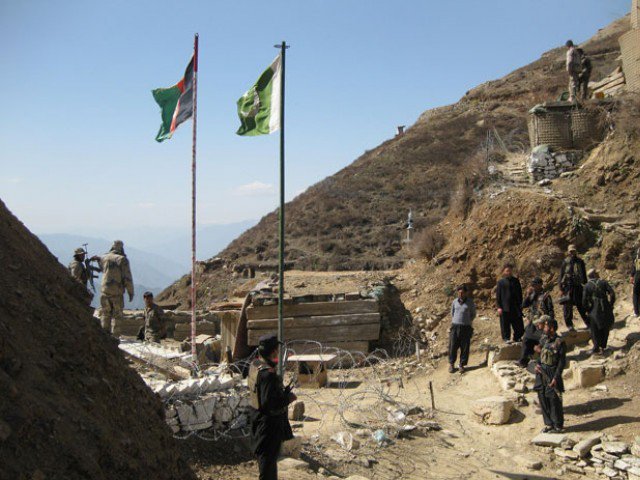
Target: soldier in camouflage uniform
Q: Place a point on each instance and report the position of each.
(154, 321)
(116, 278)
(574, 67)
(77, 268)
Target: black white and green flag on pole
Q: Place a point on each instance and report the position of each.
(259, 107)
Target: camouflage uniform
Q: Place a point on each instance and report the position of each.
(116, 277)
(78, 269)
(574, 68)
(154, 324)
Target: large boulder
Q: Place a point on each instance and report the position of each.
(587, 375)
(508, 351)
(493, 410)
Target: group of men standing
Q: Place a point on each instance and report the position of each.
(116, 281)
(592, 297)
(578, 67)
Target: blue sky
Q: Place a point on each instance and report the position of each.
(77, 148)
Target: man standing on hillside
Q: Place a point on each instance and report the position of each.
(463, 311)
(573, 275)
(155, 328)
(538, 301)
(549, 383)
(77, 267)
(509, 302)
(585, 75)
(598, 300)
(573, 69)
(540, 306)
(269, 400)
(635, 281)
(116, 278)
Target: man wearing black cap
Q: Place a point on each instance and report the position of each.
(269, 400)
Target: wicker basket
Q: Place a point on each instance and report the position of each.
(551, 128)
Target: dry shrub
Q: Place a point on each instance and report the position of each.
(428, 243)
(472, 177)
(626, 118)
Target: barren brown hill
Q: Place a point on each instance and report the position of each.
(70, 406)
(355, 219)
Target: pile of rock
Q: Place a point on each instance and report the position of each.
(595, 455)
(223, 411)
(217, 400)
(544, 164)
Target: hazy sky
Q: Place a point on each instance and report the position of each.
(77, 148)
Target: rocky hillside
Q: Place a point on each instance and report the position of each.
(355, 219)
(70, 406)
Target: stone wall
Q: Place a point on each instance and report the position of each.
(544, 164)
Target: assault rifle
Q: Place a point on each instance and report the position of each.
(91, 270)
(546, 381)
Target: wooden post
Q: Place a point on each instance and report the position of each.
(433, 401)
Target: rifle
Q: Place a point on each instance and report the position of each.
(91, 270)
(546, 381)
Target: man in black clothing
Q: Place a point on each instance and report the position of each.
(573, 275)
(509, 302)
(598, 300)
(538, 301)
(549, 384)
(532, 338)
(635, 281)
(269, 401)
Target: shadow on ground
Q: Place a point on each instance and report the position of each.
(602, 423)
(595, 405)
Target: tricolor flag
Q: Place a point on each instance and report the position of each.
(259, 108)
(176, 103)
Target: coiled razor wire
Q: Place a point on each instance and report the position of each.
(365, 390)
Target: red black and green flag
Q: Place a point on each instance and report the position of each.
(176, 103)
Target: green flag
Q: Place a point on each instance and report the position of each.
(259, 108)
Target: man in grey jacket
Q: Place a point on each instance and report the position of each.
(463, 311)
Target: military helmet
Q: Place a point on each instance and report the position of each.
(79, 251)
(569, 43)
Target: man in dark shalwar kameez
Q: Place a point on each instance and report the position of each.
(549, 384)
(269, 401)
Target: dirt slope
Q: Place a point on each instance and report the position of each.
(354, 220)
(70, 407)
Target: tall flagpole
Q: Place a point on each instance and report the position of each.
(283, 49)
(193, 203)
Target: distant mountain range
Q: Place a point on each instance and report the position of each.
(157, 256)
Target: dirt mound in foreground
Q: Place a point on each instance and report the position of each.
(70, 407)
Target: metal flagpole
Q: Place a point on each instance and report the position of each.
(283, 49)
(193, 203)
